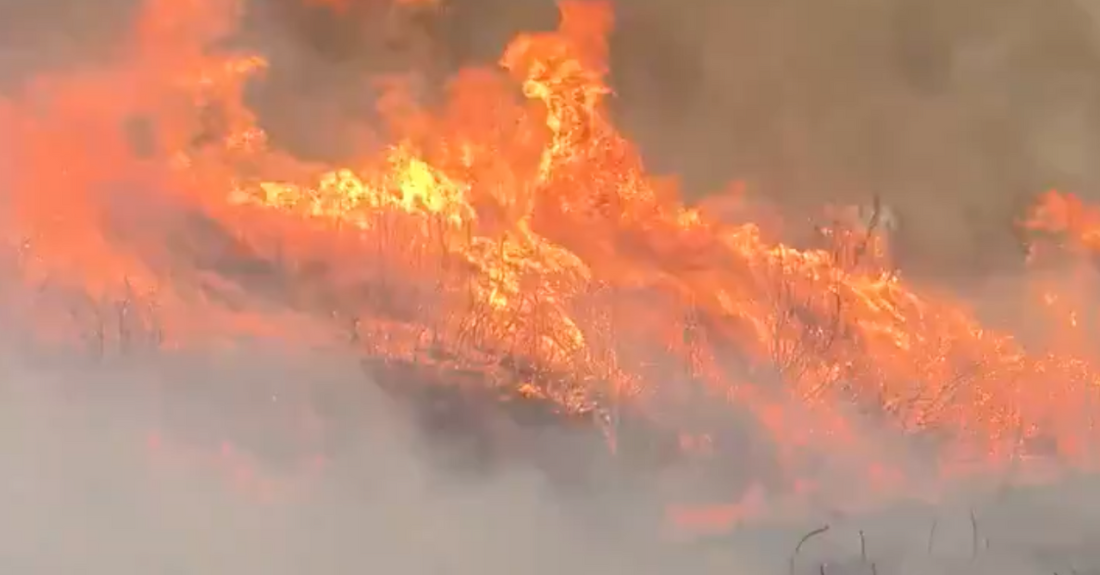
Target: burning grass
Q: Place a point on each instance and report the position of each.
(508, 263)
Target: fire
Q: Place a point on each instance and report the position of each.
(516, 232)
(1068, 216)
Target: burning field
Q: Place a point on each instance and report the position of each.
(494, 280)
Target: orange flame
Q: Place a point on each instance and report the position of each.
(497, 232)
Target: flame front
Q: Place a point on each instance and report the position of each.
(515, 232)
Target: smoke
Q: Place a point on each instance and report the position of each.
(192, 462)
(84, 490)
(952, 114)
(185, 462)
(956, 115)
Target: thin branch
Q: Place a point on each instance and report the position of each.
(974, 535)
(932, 534)
(801, 542)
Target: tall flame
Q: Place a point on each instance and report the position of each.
(517, 232)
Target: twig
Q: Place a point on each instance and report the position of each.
(869, 232)
(973, 535)
(801, 542)
(862, 546)
(932, 534)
